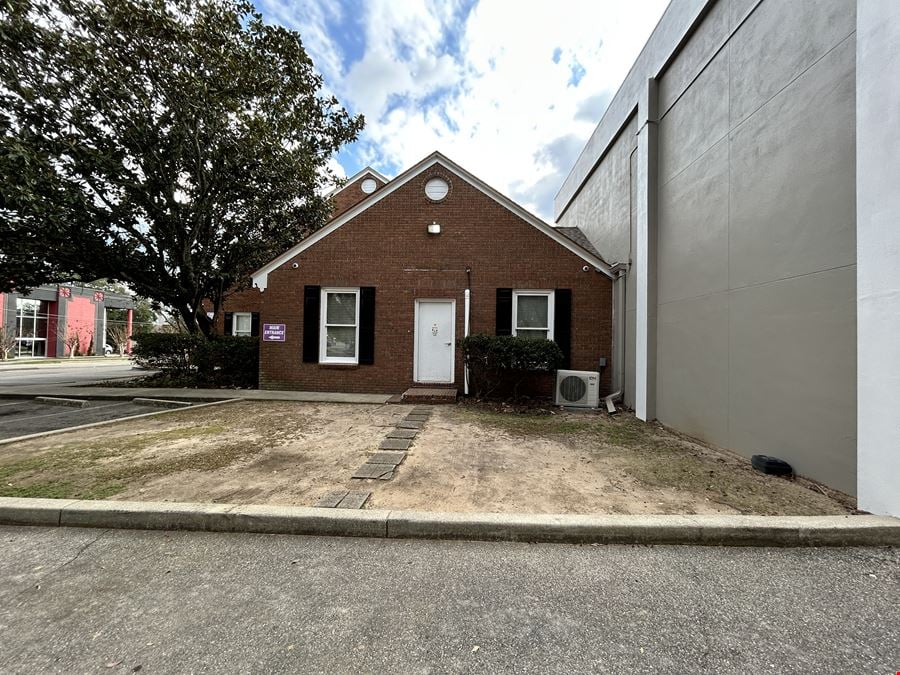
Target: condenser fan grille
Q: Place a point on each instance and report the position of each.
(572, 388)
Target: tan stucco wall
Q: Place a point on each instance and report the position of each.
(604, 210)
(756, 233)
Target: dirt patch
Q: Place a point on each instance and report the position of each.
(482, 459)
(246, 452)
(467, 458)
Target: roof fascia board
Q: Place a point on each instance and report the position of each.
(357, 176)
(677, 22)
(260, 277)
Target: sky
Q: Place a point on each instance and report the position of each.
(509, 89)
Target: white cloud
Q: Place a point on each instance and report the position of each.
(500, 105)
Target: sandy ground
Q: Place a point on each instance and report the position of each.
(465, 459)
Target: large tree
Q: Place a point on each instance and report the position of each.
(172, 145)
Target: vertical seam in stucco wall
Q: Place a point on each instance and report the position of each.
(728, 239)
(646, 299)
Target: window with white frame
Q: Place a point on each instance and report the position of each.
(533, 314)
(339, 340)
(242, 324)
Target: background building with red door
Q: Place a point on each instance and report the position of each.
(46, 320)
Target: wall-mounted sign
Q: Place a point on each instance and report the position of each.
(273, 332)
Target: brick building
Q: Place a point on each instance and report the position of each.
(377, 299)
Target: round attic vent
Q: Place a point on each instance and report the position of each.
(436, 189)
(368, 185)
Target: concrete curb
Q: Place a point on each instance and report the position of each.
(56, 400)
(161, 403)
(101, 423)
(100, 393)
(571, 529)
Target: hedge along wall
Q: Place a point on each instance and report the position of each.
(222, 361)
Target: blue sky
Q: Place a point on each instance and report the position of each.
(510, 90)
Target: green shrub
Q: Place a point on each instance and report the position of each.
(171, 353)
(220, 361)
(235, 361)
(502, 362)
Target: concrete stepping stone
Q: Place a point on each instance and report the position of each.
(407, 424)
(377, 471)
(355, 499)
(331, 499)
(403, 433)
(386, 457)
(395, 444)
(417, 418)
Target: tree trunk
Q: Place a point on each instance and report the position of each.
(196, 320)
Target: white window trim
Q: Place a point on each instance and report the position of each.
(323, 328)
(234, 322)
(550, 295)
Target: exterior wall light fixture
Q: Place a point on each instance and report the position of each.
(434, 228)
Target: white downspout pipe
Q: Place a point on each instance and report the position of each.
(620, 270)
(466, 334)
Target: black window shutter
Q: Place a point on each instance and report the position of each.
(254, 324)
(311, 307)
(504, 311)
(229, 323)
(367, 325)
(562, 323)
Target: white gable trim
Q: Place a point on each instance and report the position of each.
(261, 276)
(355, 177)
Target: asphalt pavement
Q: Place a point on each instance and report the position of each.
(113, 601)
(21, 417)
(93, 370)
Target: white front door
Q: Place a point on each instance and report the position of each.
(435, 341)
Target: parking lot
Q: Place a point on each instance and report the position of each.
(20, 417)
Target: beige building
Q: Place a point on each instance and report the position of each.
(725, 172)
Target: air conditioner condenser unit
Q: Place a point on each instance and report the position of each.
(577, 388)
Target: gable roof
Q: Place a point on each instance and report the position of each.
(355, 177)
(577, 235)
(260, 277)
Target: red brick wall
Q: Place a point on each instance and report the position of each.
(248, 300)
(387, 246)
(352, 194)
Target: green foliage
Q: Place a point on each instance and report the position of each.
(144, 312)
(498, 362)
(171, 353)
(222, 361)
(172, 146)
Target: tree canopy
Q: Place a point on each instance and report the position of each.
(171, 145)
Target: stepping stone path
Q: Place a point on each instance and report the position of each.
(379, 471)
(403, 433)
(395, 444)
(343, 499)
(382, 464)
